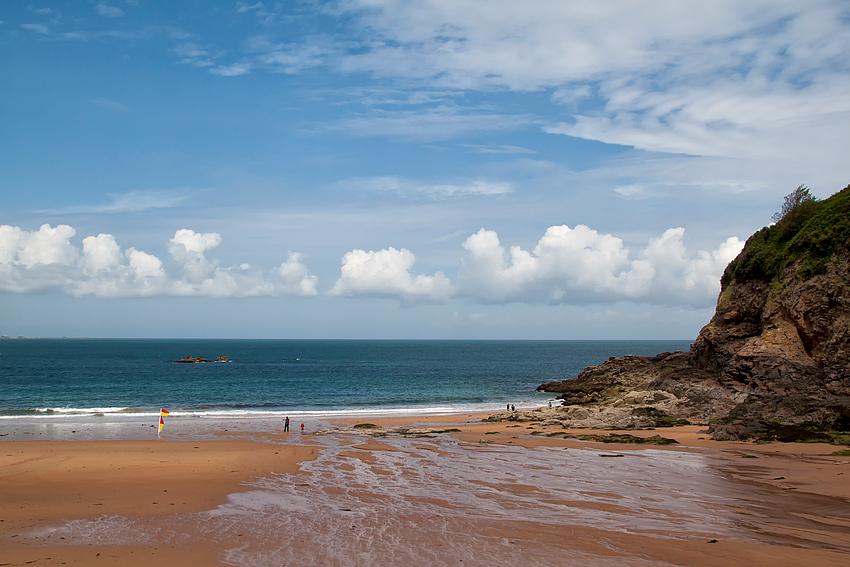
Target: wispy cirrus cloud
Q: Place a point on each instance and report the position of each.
(108, 11)
(444, 122)
(133, 201)
(190, 53)
(37, 28)
(409, 187)
(234, 70)
(108, 104)
(754, 78)
(502, 149)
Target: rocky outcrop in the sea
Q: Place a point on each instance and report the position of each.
(194, 359)
(773, 361)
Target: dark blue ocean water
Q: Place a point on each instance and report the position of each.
(49, 378)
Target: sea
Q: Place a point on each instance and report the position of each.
(52, 381)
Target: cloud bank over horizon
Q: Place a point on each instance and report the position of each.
(45, 260)
(569, 266)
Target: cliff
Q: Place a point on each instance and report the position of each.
(773, 362)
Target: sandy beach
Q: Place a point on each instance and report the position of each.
(482, 494)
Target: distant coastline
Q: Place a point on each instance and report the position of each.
(37, 338)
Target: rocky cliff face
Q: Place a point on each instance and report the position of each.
(783, 349)
(775, 358)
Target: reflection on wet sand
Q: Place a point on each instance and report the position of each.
(442, 501)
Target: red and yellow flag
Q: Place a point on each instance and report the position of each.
(162, 412)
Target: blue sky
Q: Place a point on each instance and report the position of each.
(387, 169)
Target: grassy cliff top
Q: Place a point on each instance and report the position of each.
(810, 233)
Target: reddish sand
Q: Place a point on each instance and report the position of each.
(45, 483)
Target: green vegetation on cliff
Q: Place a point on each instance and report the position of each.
(808, 231)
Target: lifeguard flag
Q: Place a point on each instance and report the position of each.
(163, 412)
(161, 423)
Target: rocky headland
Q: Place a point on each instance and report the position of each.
(773, 362)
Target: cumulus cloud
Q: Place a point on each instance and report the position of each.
(580, 266)
(567, 266)
(388, 273)
(46, 260)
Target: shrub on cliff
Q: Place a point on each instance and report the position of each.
(807, 231)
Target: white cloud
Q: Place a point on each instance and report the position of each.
(758, 79)
(109, 11)
(292, 58)
(46, 260)
(37, 28)
(47, 246)
(192, 54)
(243, 7)
(408, 187)
(567, 266)
(188, 248)
(234, 70)
(440, 123)
(543, 43)
(631, 190)
(581, 266)
(132, 201)
(388, 273)
(100, 252)
(144, 265)
(498, 149)
(576, 266)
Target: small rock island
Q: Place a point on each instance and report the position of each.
(195, 359)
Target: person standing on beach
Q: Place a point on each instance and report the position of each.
(302, 427)
(286, 424)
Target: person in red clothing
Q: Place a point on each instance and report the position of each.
(302, 427)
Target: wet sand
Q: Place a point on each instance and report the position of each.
(490, 494)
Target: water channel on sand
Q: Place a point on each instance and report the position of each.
(412, 502)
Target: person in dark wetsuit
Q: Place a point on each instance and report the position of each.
(286, 424)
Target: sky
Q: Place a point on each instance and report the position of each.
(390, 169)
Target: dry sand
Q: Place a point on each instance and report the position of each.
(48, 483)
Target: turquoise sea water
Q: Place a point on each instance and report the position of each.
(54, 379)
